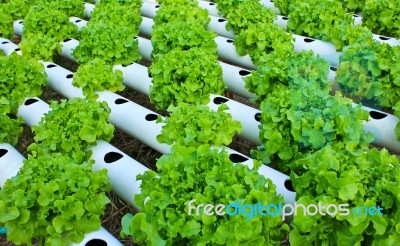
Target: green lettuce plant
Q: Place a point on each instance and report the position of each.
(10, 129)
(112, 42)
(6, 24)
(208, 176)
(183, 35)
(302, 117)
(68, 7)
(71, 127)
(260, 44)
(118, 13)
(53, 200)
(185, 12)
(19, 78)
(369, 72)
(365, 178)
(44, 29)
(185, 76)
(18, 9)
(194, 125)
(353, 5)
(319, 19)
(273, 71)
(97, 75)
(283, 5)
(246, 13)
(382, 17)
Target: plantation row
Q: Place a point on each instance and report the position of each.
(301, 125)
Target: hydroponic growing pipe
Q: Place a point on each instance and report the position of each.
(121, 169)
(139, 121)
(12, 160)
(243, 113)
(379, 123)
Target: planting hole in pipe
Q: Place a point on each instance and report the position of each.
(377, 115)
(229, 40)
(3, 152)
(384, 38)
(157, 6)
(135, 37)
(66, 40)
(220, 100)
(244, 72)
(285, 18)
(235, 158)
(69, 76)
(20, 22)
(288, 185)
(333, 69)
(51, 65)
(151, 117)
(309, 40)
(211, 4)
(120, 101)
(96, 242)
(149, 74)
(17, 49)
(5, 42)
(111, 157)
(355, 15)
(257, 117)
(221, 20)
(77, 21)
(30, 101)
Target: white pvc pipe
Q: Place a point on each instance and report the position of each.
(382, 126)
(270, 4)
(319, 47)
(121, 170)
(332, 79)
(10, 162)
(227, 51)
(8, 47)
(146, 26)
(149, 9)
(68, 45)
(282, 181)
(60, 80)
(247, 116)
(100, 237)
(88, 9)
(78, 22)
(211, 7)
(145, 48)
(233, 77)
(32, 110)
(387, 40)
(18, 27)
(357, 19)
(134, 119)
(136, 76)
(218, 24)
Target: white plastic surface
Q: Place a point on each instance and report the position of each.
(32, 110)
(122, 170)
(8, 47)
(131, 118)
(227, 51)
(60, 80)
(68, 45)
(10, 162)
(243, 113)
